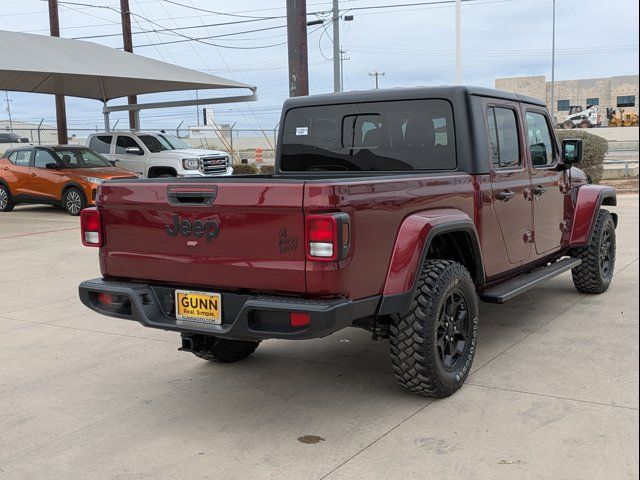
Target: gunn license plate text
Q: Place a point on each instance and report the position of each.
(200, 307)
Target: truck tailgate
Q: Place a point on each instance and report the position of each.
(220, 235)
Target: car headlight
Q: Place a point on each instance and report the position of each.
(95, 180)
(191, 163)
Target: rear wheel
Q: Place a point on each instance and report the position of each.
(73, 201)
(6, 202)
(595, 273)
(433, 345)
(224, 350)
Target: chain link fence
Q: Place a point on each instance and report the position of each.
(244, 145)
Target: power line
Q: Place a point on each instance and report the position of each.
(223, 35)
(197, 9)
(160, 30)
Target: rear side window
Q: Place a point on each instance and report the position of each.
(122, 143)
(504, 143)
(376, 136)
(100, 143)
(20, 158)
(543, 153)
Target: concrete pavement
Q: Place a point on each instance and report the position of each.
(553, 391)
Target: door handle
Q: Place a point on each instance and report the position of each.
(539, 190)
(33, 174)
(505, 195)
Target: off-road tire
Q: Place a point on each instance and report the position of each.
(73, 201)
(6, 202)
(414, 336)
(594, 275)
(227, 351)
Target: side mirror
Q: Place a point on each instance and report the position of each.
(572, 151)
(52, 166)
(134, 151)
(113, 162)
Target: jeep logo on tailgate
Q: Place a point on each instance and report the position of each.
(207, 229)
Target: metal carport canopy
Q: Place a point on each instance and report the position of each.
(52, 65)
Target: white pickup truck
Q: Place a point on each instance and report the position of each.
(159, 154)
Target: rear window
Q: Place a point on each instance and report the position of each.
(377, 136)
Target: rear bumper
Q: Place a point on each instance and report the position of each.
(244, 317)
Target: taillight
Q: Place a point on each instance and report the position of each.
(328, 236)
(91, 227)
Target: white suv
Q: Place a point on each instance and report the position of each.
(154, 155)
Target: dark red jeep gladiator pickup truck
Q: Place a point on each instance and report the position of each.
(390, 210)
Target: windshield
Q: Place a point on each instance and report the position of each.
(159, 142)
(80, 158)
(372, 136)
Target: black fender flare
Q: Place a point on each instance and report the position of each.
(401, 302)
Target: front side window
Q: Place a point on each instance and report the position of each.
(160, 142)
(543, 153)
(43, 157)
(375, 136)
(123, 142)
(626, 101)
(504, 143)
(100, 143)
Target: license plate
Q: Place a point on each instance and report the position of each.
(202, 307)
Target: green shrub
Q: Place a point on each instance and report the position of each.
(594, 149)
(252, 169)
(245, 169)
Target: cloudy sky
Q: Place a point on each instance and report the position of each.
(412, 45)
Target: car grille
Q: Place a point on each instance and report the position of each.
(211, 165)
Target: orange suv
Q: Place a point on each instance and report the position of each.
(66, 176)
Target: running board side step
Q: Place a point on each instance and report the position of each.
(526, 281)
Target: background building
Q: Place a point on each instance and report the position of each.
(611, 92)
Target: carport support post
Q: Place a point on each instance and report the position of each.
(61, 110)
(105, 114)
(125, 15)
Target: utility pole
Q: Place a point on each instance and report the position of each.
(6, 95)
(342, 59)
(125, 15)
(297, 46)
(553, 65)
(335, 18)
(376, 75)
(458, 44)
(61, 110)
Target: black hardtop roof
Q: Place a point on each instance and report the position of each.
(22, 148)
(447, 92)
(51, 147)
